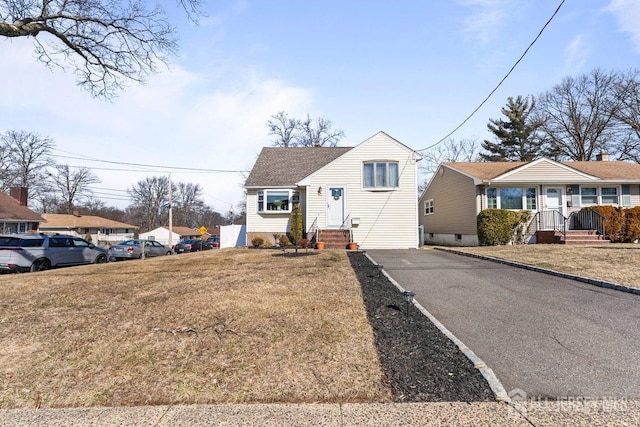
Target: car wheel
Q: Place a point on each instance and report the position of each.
(168, 253)
(40, 265)
(101, 259)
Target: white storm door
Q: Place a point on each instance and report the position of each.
(552, 204)
(335, 206)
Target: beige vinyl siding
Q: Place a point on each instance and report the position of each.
(388, 219)
(454, 204)
(544, 172)
(267, 222)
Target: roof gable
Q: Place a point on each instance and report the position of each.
(12, 210)
(284, 167)
(542, 170)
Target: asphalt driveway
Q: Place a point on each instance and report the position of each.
(547, 336)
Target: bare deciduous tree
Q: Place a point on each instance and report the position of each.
(290, 132)
(627, 91)
(148, 198)
(577, 116)
(188, 204)
(451, 150)
(105, 42)
(72, 185)
(24, 157)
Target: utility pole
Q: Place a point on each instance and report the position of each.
(170, 213)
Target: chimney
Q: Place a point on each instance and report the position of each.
(603, 156)
(76, 213)
(20, 194)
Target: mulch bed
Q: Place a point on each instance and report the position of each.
(421, 364)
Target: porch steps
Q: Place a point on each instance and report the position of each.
(573, 237)
(334, 239)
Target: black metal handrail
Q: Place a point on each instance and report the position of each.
(548, 220)
(587, 220)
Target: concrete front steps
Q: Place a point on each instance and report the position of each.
(334, 239)
(573, 237)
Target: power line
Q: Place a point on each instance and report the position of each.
(501, 81)
(151, 166)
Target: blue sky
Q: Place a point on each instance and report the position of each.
(414, 69)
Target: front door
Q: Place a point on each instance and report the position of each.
(335, 206)
(552, 212)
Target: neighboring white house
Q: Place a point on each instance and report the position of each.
(368, 192)
(161, 234)
(103, 231)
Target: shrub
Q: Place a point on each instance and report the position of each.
(257, 241)
(87, 237)
(267, 243)
(284, 240)
(498, 226)
(304, 243)
(296, 222)
(632, 224)
(614, 223)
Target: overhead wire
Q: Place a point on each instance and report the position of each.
(499, 83)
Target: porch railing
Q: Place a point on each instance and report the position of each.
(587, 220)
(312, 234)
(548, 220)
(346, 225)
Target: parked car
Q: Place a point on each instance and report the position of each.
(192, 245)
(38, 252)
(214, 241)
(132, 249)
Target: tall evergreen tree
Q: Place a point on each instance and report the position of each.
(515, 137)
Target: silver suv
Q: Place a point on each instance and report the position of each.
(38, 252)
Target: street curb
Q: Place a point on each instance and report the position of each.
(595, 282)
(496, 386)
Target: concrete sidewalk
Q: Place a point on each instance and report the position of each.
(623, 413)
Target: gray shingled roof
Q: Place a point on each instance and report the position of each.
(281, 167)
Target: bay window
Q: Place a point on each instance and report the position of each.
(380, 175)
(276, 200)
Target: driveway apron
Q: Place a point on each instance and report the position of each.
(542, 335)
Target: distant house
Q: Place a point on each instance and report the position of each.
(554, 192)
(15, 216)
(161, 234)
(103, 231)
(365, 194)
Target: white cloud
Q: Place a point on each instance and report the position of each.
(575, 55)
(627, 13)
(486, 19)
(179, 118)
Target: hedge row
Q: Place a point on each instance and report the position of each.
(500, 226)
(622, 225)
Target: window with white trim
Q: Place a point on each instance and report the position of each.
(380, 175)
(588, 196)
(609, 195)
(428, 207)
(277, 201)
(514, 198)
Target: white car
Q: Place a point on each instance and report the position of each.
(37, 252)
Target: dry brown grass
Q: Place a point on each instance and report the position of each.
(617, 263)
(219, 326)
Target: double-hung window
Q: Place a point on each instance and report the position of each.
(609, 195)
(276, 200)
(380, 175)
(588, 196)
(428, 207)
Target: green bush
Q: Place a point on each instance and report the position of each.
(296, 223)
(499, 226)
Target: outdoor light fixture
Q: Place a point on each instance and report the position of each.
(320, 191)
(380, 268)
(408, 298)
